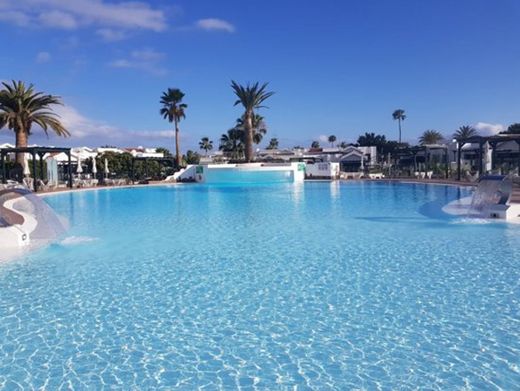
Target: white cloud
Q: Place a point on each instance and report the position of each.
(80, 126)
(147, 60)
(95, 132)
(155, 135)
(72, 14)
(323, 138)
(486, 129)
(15, 17)
(43, 57)
(122, 63)
(88, 131)
(111, 35)
(58, 19)
(212, 24)
(147, 55)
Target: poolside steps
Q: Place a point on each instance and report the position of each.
(515, 195)
(179, 175)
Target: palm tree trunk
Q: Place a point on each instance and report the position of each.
(248, 128)
(21, 142)
(399, 121)
(177, 151)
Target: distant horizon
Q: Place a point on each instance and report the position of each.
(336, 68)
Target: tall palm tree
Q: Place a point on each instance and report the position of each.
(206, 144)
(259, 128)
(464, 132)
(174, 110)
(21, 107)
(332, 140)
(273, 143)
(399, 116)
(251, 97)
(430, 137)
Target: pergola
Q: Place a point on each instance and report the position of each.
(412, 152)
(493, 141)
(35, 151)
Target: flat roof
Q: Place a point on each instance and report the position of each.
(34, 150)
(495, 138)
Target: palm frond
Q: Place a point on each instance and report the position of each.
(172, 106)
(21, 106)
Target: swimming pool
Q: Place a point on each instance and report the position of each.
(316, 285)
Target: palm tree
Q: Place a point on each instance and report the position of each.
(464, 132)
(259, 128)
(232, 144)
(21, 107)
(174, 110)
(191, 157)
(512, 129)
(273, 144)
(206, 144)
(315, 144)
(343, 145)
(332, 140)
(251, 97)
(399, 116)
(371, 140)
(430, 137)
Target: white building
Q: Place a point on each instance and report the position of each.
(350, 159)
(285, 155)
(500, 153)
(322, 170)
(102, 150)
(144, 152)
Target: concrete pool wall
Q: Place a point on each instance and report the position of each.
(245, 173)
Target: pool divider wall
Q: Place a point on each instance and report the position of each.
(246, 173)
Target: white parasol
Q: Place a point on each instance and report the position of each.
(26, 169)
(79, 169)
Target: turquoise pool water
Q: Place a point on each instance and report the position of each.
(319, 286)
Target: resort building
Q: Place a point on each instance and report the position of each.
(144, 152)
(282, 155)
(499, 153)
(358, 159)
(322, 170)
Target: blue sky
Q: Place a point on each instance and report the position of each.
(337, 67)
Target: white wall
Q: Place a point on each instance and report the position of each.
(247, 172)
(325, 169)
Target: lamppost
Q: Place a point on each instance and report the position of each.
(458, 146)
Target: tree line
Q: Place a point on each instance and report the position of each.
(22, 107)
